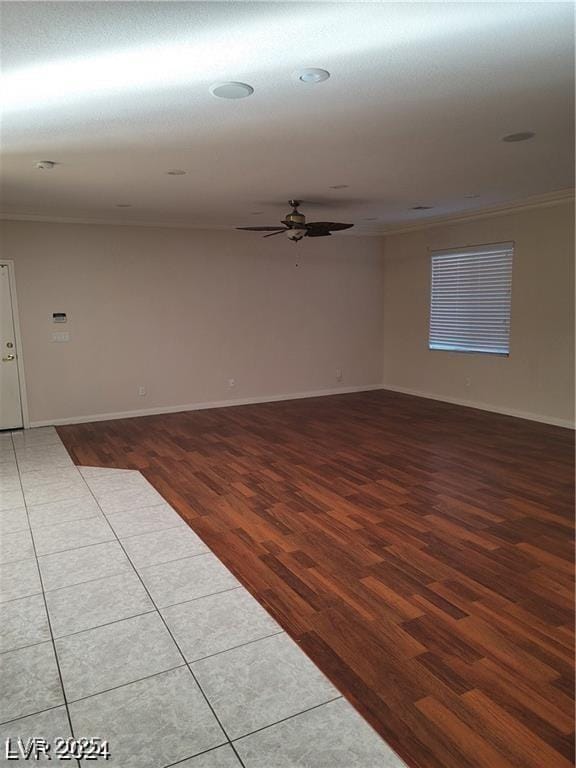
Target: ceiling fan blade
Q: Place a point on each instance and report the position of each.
(263, 229)
(318, 233)
(333, 226)
(271, 234)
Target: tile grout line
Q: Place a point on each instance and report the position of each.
(32, 714)
(106, 624)
(99, 543)
(125, 618)
(73, 549)
(235, 647)
(198, 754)
(104, 541)
(22, 597)
(155, 609)
(22, 647)
(87, 581)
(123, 685)
(201, 597)
(146, 533)
(291, 717)
(109, 576)
(145, 613)
(171, 635)
(135, 616)
(46, 608)
(72, 498)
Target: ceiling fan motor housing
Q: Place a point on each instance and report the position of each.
(295, 220)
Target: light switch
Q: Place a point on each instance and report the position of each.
(61, 336)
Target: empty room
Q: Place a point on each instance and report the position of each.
(269, 499)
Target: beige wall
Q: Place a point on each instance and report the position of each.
(183, 311)
(537, 379)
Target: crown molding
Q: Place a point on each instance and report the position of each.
(527, 204)
(536, 201)
(37, 219)
(32, 217)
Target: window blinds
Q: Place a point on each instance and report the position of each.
(470, 301)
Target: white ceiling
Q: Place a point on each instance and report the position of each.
(420, 95)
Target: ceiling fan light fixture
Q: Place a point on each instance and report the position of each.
(295, 234)
(313, 75)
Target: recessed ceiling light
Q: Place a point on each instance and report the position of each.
(231, 90)
(313, 75)
(340, 186)
(123, 205)
(471, 195)
(45, 165)
(522, 136)
(422, 207)
(176, 172)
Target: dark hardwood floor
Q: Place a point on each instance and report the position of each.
(419, 552)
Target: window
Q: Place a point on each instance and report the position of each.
(470, 302)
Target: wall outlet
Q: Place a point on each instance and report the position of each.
(141, 390)
(231, 383)
(339, 374)
(467, 381)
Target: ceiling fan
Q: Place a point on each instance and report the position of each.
(295, 226)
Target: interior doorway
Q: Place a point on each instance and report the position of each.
(11, 401)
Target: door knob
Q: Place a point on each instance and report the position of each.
(8, 357)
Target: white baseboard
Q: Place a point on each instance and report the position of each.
(299, 396)
(484, 407)
(201, 406)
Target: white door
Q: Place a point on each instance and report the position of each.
(10, 405)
